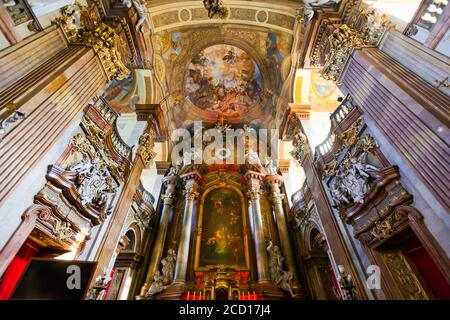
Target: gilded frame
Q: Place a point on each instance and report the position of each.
(200, 230)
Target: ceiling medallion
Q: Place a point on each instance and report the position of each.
(215, 9)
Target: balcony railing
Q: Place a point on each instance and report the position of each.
(336, 118)
(146, 196)
(341, 111)
(121, 147)
(105, 110)
(301, 194)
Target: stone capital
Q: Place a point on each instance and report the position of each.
(275, 179)
(194, 176)
(170, 180)
(169, 199)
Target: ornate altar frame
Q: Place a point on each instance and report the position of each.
(200, 223)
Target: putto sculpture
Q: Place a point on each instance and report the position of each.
(139, 6)
(94, 183)
(306, 13)
(352, 181)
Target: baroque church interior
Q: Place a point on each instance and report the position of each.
(225, 149)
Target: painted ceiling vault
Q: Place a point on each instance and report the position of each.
(205, 69)
(216, 72)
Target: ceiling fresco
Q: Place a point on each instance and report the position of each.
(223, 80)
(238, 79)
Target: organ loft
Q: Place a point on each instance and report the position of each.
(225, 150)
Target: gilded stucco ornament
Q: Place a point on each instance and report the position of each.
(301, 147)
(146, 146)
(80, 26)
(62, 230)
(365, 30)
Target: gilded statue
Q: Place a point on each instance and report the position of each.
(94, 183)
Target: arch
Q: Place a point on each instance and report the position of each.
(306, 233)
(135, 230)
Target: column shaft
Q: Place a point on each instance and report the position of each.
(158, 247)
(186, 231)
(284, 234)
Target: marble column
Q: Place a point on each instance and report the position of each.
(192, 180)
(274, 182)
(253, 192)
(158, 247)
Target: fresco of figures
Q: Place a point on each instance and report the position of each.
(224, 80)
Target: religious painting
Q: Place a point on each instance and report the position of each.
(222, 239)
(223, 80)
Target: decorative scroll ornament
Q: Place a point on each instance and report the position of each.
(80, 143)
(146, 146)
(94, 183)
(215, 9)
(301, 147)
(366, 30)
(280, 277)
(80, 26)
(404, 276)
(352, 180)
(144, 218)
(62, 230)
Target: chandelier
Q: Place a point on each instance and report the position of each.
(215, 8)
